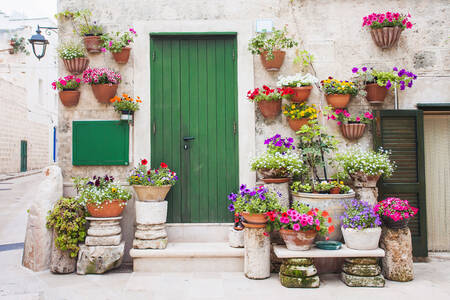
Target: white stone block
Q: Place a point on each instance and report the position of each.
(151, 212)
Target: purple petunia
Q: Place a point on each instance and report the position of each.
(231, 207)
(354, 70)
(388, 84)
(364, 69)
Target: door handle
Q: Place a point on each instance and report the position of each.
(189, 138)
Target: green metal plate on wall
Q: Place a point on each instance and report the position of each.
(100, 143)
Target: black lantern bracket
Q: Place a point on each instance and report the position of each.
(39, 42)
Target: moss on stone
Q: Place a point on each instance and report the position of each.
(298, 271)
(361, 281)
(299, 261)
(362, 260)
(306, 282)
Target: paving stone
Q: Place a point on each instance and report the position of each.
(112, 240)
(362, 260)
(298, 271)
(299, 261)
(99, 259)
(305, 282)
(361, 270)
(150, 244)
(361, 281)
(150, 234)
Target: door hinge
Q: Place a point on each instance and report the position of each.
(234, 128)
(154, 128)
(154, 55)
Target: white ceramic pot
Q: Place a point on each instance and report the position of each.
(150, 213)
(364, 239)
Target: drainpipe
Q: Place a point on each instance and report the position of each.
(395, 97)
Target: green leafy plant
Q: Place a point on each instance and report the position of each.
(270, 41)
(115, 42)
(71, 50)
(18, 45)
(303, 58)
(144, 175)
(395, 78)
(83, 24)
(301, 187)
(68, 221)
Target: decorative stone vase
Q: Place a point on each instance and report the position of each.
(93, 43)
(151, 212)
(274, 64)
(269, 109)
(375, 93)
(298, 240)
(104, 92)
(364, 239)
(338, 100)
(269, 174)
(301, 93)
(151, 193)
(107, 209)
(297, 124)
(363, 180)
(122, 56)
(77, 65)
(386, 37)
(69, 97)
(332, 203)
(126, 115)
(254, 220)
(390, 223)
(353, 131)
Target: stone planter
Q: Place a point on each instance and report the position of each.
(338, 100)
(122, 56)
(363, 180)
(92, 43)
(352, 131)
(151, 212)
(297, 124)
(77, 65)
(364, 239)
(274, 64)
(301, 94)
(69, 98)
(298, 240)
(375, 93)
(107, 209)
(254, 220)
(151, 193)
(332, 203)
(390, 223)
(269, 109)
(104, 92)
(386, 37)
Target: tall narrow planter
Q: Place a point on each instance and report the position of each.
(92, 43)
(269, 109)
(352, 131)
(77, 65)
(122, 56)
(297, 124)
(104, 92)
(69, 98)
(274, 64)
(375, 93)
(301, 94)
(363, 180)
(386, 37)
(338, 100)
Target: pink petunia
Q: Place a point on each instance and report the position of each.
(339, 123)
(63, 82)
(296, 227)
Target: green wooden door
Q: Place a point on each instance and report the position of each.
(194, 122)
(23, 156)
(401, 131)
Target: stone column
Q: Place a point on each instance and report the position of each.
(366, 191)
(151, 231)
(398, 262)
(282, 189)
(257, 253)
(236, 238)
(362, 272)
(299, 273)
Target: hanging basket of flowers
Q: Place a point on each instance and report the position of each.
(126, 106)
(395, 213)
(74, 57)
(104, 83)
(118, 44)
(68, 90)
(352, 126)
(300, 84)
(269, 100)
(338, 92)
(299, 114)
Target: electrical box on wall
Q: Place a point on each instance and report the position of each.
(264, 25)
(100, 143)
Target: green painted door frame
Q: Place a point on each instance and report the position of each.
(193, 86)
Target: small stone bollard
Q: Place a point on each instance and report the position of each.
(398, 261)
(257, 253)
(362, 272)
(282, 189)
(236, 238)
(299, 273)
(151, 231)
(60, 261)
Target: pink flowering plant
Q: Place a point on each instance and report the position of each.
(101, 76)
(388, 19)
(395, 208)
(116, 41)
(342, 116)
(68, 83)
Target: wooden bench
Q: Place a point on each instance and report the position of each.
(359, 270)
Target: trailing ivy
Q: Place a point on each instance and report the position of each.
(68, 221)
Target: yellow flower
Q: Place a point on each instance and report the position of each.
(113, 190)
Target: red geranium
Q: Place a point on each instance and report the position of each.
(144, 161)
(163, 165)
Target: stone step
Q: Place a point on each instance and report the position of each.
(189, 257)
(198, 232)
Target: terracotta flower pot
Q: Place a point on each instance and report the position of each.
(386, 37)
(93, 43)
(375, 93)
(274, 64)
(69, 98)
(296, 125)
(107, 209)
(151, 193)
(104, 92)
(301, 94)
(122, 56)
(338, 100)
(390, 223)
(335, 190)
(76, 65)
(255, 220)
(269, 109)
(276, 180)
(353, 131)
(298, 240)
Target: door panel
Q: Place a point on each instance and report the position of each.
(193, 94)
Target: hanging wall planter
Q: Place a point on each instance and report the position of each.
(69, 97)
(104, 83)
(77, 65)
(93, 43)
(269, 100)
(353, 131)
(338, 100)
(375, 93)
(274, 64)
(301, 94)
(104, 92)
(269, 109)
(297, 124)
(118, 44)
(68, 92)
(338, 92)
(122, 56)
(386, 37)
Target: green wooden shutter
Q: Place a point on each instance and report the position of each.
(23, 156)
(401, 131)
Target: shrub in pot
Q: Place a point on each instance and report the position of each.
(395, 213)
(18, 45)
(269, 46)
(74, 57)
(299, 114)
(269, 100)
(299, 225)
(103, 197)
(90, 31)
(338, 92)
(360, 226)
(300, 84)
(386, 28)
(67, 88)
(352, 126)
(253, 204)
(279, 163)
(126, 106)
(103, 81)
(117, 43)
